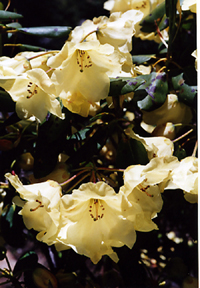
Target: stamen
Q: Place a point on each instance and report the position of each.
(40, 205)
(34, 90)
(95, 210)
(143, 189)
(83, 60)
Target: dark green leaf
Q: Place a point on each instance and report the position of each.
(139, 59)
(47, 31)
(12, 226)
(26, 262)
(156, 87)
(6, 102)
(186, 93)
(180, 153)
(164, 23)
(51, 142)
(91, 147)
(7, 16)
(171, 14)
(131, 152)
(124, 85)
(148, 23)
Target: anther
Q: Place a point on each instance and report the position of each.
(40, 205)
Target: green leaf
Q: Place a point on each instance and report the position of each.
(124, 85)
(12, 226)
(164, 23)
(139, 59)
(171, 14)
(156, 87)
(26, 262)
(7, 16)
(186, 93)
(6, 102)
(47, 31)
(13, 25)
(148, 23)
(91, 146)
(50, 143)
(131, 152)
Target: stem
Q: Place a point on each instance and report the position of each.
(195, 149)
(94, 31)
(182, 136)
(8, 263)
(8, 5)
(110, 169)
(72, 178)
(80, 180)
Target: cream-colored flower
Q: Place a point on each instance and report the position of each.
(155, 146)
(33, 92)
(185, 177)
(143, 185)
(25, 61)
(171, 111)
(125, 5)
(194, 54)
(190, 5)
(92, 222)
(40, 210)
(117, 30)
(82, 74)
(145, 7)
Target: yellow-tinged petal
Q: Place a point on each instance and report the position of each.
(94, 213)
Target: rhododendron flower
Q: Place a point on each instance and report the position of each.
(189, 5)
(185, 177)
(40, 210)
(124, 5)
(33, 92)
(155, 146)
(143, 185)
(92, 222)
(171, 111)
(82, 74)
(117, 30)
(27, 60)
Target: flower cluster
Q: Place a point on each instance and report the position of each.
(94, 218)
(92, 110)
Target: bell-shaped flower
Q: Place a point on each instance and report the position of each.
(92, 222)
(33, 92)
(185, 177)
(117, 30)
(143, 185)
(150, 202)
(82, 73)
(155, 146)
(125, 5)
(27, 60)
(40, 206)
(171, 111)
